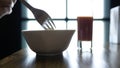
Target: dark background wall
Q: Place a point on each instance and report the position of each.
(115, 3)
(108, 4)
(10, 32)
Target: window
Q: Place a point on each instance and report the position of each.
(65, 12)
(67, 9)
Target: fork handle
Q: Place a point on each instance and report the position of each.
(27, 5)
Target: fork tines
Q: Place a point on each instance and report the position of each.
(49, 25)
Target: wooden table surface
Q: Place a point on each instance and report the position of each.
(97, 58)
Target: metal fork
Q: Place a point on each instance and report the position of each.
(41, 16)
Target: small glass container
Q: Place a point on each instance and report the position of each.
(85, 23)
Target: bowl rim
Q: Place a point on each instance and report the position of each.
(46, 30)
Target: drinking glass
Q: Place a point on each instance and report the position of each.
(85, 23)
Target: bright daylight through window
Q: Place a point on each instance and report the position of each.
(62, 9)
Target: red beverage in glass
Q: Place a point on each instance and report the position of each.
(85, 28)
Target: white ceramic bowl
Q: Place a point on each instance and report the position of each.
(48, 42)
